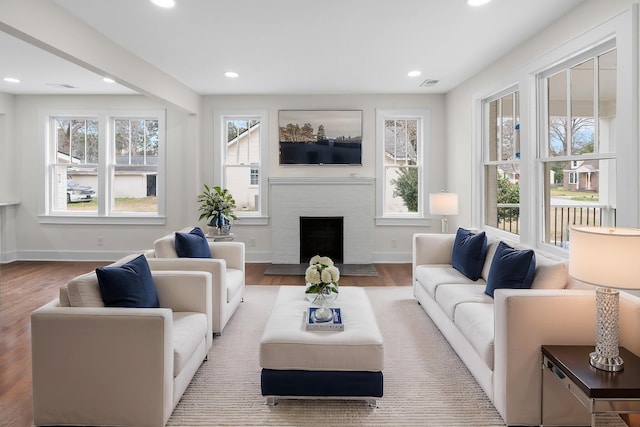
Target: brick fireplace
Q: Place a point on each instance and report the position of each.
(350, 198)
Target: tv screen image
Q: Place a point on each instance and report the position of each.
(319, 137)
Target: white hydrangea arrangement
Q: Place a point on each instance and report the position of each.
(322, 276)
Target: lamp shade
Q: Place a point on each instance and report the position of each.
(605, 256)
(443, 204)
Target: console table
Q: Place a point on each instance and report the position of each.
(597, 390)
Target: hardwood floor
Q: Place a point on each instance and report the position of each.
(27, 285)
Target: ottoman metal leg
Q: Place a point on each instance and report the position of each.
(272, 401)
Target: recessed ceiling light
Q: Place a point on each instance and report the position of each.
(11, 80)
(231, 74)
(414, 73)
(164, 3)
(477, 2)
(108, 80)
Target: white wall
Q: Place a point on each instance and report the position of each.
(460, 117)
(8, 191)
(390, 243)
(190, 163)
(81, 242)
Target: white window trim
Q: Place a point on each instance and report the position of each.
(420, 218)
(624, 28)
(219, 116)
(483, 153)
(105, 119)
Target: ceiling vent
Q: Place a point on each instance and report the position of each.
(61, 85)
(429, 83)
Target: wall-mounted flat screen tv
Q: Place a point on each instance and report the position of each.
(320, 137)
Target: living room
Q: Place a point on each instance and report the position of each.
(29, 232)
(31, 228)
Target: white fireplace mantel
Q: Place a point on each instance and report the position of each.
(351, 198)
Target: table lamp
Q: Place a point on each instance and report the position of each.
(606, 257)
(443, 204)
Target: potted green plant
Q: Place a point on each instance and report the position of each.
(216, 206)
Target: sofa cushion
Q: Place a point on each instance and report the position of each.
(83, 291)
(492, 245)
(550, 273)
(511, 268)
(128, 285)
(165, 247)
(192, 244)
(433, 275)
(189, 330)
(468, 253)
(476, 322)
(450, 296)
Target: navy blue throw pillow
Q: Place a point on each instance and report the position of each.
(469, 252)
(192, 244)
(128, 285)
(511, 269)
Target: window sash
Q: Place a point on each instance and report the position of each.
(101, 175)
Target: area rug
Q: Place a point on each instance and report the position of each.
(425, 384)
(299, 269)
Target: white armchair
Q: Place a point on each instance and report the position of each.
(227, 268)
(96, 365)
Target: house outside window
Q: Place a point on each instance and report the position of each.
(242, 139)
(97, 173)
(501, 161)
(578, 151)
(401, 159)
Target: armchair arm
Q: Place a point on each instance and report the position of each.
(88, 361)
(231, 252)
(217, 270)
(524, 321)
(186, 291)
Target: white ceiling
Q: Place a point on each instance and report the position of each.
(292, 46)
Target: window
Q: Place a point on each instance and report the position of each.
(501, 154)
(401, 159)
(573, 178)
(136, 165)
(579, 143)
(103, 164)
(243, 136)
(254, 177)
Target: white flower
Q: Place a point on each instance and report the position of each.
(315, 260)
(326, 261)
(334, 272)
(312, 275)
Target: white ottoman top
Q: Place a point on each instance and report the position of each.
(286, 344)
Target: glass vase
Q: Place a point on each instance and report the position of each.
(322, 295)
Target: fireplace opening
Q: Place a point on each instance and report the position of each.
(321, 235)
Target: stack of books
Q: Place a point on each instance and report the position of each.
(314, 324)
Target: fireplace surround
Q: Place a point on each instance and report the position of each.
(351, 198)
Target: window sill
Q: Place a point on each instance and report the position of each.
(101, 220)
(390, 221)
(251, 220)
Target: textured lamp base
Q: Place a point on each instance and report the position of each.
(607, 355)
(445, 225)
(611, 364)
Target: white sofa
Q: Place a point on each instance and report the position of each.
(95, 365)
(499, 338)
(227, 268)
